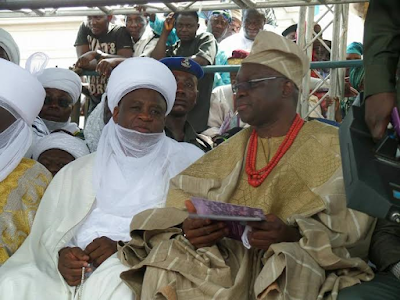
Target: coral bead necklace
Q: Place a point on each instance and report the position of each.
(257, 177)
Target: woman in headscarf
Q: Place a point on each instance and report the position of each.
(58, 149)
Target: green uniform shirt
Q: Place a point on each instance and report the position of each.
(191, 137)
(382, 46)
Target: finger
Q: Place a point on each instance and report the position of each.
(75, 264)
(92, 246)
(190, 207)
(263, 225)
(79, 254)
(378, 131)
(101, 259)
(261, 244)
(264, 235)
(97, 253)
(190, 223)
(209, 239)
(74, 282)
(205, 230)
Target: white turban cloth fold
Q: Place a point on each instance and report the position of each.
(62, 79)
(21, 91)
(22, 96)
(141, 73)
(10, 46)
(62, 141)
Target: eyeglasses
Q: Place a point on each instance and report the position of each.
(247, 85)
(63, 102)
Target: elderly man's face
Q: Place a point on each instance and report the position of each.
(186, 93)
(55, 159)
(98, 24)
(3, 54)
(219, 26)
(57, 106)
(136, 25)
(142, 110)
(6, 119)
(260, 103)
(253, 23)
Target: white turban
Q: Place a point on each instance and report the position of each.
(62, 79)
(21, 90)
(63, 141)
(138, 73)
(10, 46)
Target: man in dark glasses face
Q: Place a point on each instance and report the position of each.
(63, 88)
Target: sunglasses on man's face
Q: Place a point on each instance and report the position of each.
(62, 102)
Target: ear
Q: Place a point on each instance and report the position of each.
(287, 89)
(109, 18)
(115, 115)
(198, 25)
(206, 21)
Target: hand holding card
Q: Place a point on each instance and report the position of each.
(234, 216)
(202, 232)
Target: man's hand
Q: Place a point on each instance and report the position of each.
(202, 233)
(169, 22)
(100, 249)
(105, 66)
(84, 61)
(271, 231)
(378, 109)
(70, 263)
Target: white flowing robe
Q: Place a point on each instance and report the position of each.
(32, 272)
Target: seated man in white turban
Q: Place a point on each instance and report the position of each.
(63, 89)
(58, 149)
(22, 181)
(309, 245)
(90, 203)
(9, 49)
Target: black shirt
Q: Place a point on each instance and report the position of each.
(115, 39)
(191, 137)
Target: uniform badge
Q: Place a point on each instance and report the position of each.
(186, 63)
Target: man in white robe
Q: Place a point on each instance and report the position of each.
(90, 203)
(63, 89)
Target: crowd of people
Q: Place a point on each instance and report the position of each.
(104, 211)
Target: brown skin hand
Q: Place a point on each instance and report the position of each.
(203, 233)
(55, 159)
(70, 264)
(6, 119)
(253, 23)
(185, 100)
(270, 106)
(142, 110)
(51, 110)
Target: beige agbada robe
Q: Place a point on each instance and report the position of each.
(305, 189)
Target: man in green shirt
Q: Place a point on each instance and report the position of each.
(382, 52)
(202, 48)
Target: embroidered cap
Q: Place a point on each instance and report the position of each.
(183, 64)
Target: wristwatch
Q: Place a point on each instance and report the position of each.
(99, 54)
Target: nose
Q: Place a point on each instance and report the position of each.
(145, 116)
(179, 88)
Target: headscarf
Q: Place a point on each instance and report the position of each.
(137, 73)
(226, 14)
(357, 77)
(355, 48)
(62, 141)
(132, 169)
(237, 57)
(22, 95)
(10, 46)
(62, 79)
(280, 54)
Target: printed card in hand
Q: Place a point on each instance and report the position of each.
(235, 216)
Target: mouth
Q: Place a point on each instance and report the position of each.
(241, 106)
(50, 117)
(95, 30)
(142, 129)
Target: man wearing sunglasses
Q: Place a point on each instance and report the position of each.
(310, 244)
(63, 89)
